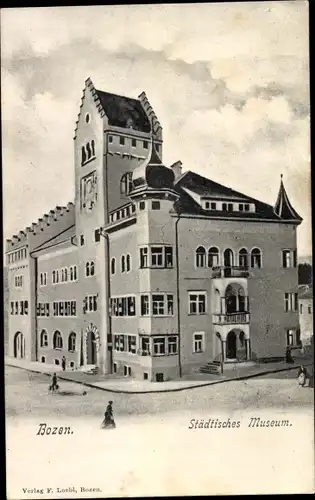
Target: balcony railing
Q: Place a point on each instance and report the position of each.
(231, 319)
(230, 272)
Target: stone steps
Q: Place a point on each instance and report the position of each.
(212, 368)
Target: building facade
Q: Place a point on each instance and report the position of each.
(151, 272)
(306, 313)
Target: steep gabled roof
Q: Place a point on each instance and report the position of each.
(204, 187)
(120, 110)
(283, 207)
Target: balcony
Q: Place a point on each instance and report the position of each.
(230, 272)
(240, 318)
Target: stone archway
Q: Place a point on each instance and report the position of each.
(19, 345)
(91, 345)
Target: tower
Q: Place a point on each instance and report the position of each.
(112, 137)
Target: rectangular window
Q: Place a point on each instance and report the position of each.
(16, 307)
(156, 205)
(170, 304)
(132, 344)
(55, 308)
(224, 206)
(207, 205)
(291, 302)
(110, 138)
(241, 207)
(158, 305)
(157, 256)
(145, 311)
(116, 342)
(47, 309)
(230, 207)
(21, 307)
(198, 342)
(145, 144)
(143, 257)
(82, 240)
(142, 205)
(121, 343)
(197, 302)
(213, 206)
(246, 207)
(131, 306)
(168, 256)
(286, 258)
(61, 308)
(12, 307)
(121, 141)
(133, 143)
(97, 235)
(145, 346)
(159, 346)
(73, 308)
(172, 344)
(294, 258)
(309, 309)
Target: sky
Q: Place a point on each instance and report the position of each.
(229, 83)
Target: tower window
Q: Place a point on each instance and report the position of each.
(156, 205)
(87, 117)
(121, 140)
(145, 144)
(97, 235)
(126, 184)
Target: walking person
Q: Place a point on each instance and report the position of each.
(63, 363)
(109, 422)
(54, 383)
(288, 356)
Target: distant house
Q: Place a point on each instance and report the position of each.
(306, 313)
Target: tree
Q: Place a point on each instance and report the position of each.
(305, 274)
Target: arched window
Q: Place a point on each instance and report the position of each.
(213, 257)
(74, 273)
(128, 262)
(41, 278)
(54, 277)
(113, 265)
(200, 257)
(44, 339)
(123, 264)
(301, 308)
(92, 268)
(71, 273)
(126, 184)
(57, 276)
(57, 340)
(228, 258)
(83, 154)
(71, 342)
(62, 275)
(87, 269)
(243, 258)
(66, 274)
(93, 147)
(256, 260)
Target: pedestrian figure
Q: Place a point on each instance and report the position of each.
(288, 356)
(108, 422)
(63, 363)
(54, 383)
(302, 376)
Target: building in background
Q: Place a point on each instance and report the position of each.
(306, 313)
(152, 272)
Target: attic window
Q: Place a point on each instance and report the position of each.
(246, 207)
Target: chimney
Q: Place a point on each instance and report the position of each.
(177, 169)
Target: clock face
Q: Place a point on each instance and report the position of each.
(88, 192)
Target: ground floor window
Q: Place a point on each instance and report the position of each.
(145, 376)
(198, 342)
(43, 359)
(159, 377)
(115, 367)
(57, 362)
(127, 371)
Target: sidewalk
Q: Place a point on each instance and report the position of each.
(116, 384)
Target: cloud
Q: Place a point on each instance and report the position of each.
(229, 83)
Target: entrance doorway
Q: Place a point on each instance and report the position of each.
(90, 348)
(231, 345)
(159, 377)
(19, 345)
